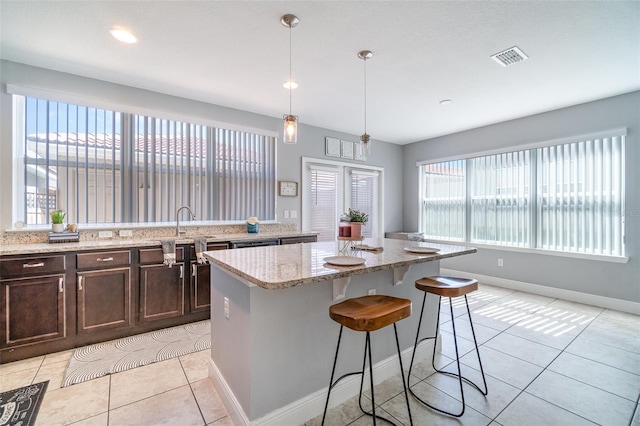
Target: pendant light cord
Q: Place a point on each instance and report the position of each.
(365, 95)
(290, 74)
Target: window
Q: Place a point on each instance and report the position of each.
(331, 188)
(566, 197)
(363, 196)
(325, 190)
(500, 199)
(102, 166)
(443, 203)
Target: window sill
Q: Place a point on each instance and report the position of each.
(586, 256)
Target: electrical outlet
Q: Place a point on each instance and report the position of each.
(500, 262)
(294, 214)
(286, 214)
(105, 234)
(126, 233)
(371, 291)
(226, 307)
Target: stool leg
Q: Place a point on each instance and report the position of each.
(455, 344)
(473, 332)
(404, 385)
(373, 398)
(415, 345)
(333, 370)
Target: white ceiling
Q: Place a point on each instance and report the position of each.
(235, 54)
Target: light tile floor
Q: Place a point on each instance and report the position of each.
(547, 362)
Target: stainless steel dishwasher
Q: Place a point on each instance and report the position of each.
(254, 243)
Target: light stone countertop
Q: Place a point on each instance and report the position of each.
(36, 248)
(279, 267)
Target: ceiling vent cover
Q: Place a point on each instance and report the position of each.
(509, 56)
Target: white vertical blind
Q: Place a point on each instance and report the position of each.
(364, 197)
(566, 197)
(443, 200)
(245, 175)
(103, 166)
(499, 194)
(580, 196)
(324, 198)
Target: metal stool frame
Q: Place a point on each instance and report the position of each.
(367, 352)
(433, 357)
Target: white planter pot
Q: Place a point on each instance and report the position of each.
(57, 227)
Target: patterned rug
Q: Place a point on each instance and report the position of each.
(91, 362)
(20, 406)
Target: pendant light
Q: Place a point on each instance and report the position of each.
(365, 140)
(290, 121)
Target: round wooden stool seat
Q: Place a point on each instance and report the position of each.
(370, 313)
(447, 286)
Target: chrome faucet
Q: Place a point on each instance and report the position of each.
(193, 217)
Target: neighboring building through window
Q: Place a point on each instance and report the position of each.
(567, 197)
(102, 166)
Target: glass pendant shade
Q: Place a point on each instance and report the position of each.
(364, 146)
(290, 129)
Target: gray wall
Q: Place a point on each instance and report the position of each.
(310, 139)
(620, 281)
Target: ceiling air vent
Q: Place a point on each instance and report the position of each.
(509, 56)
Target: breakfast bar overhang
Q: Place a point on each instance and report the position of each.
(273, 342)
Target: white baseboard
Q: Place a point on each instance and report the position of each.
(573, 296)
(310, 406)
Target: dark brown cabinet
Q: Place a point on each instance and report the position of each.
(161, 287)
(33, 300)
(58, 301)
(104, 292)
(200, 287)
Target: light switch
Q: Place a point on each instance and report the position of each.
(294, 214)
(286, 214)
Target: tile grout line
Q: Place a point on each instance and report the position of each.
(545, 369)
(193, 393)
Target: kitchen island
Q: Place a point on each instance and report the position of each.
(272, 339)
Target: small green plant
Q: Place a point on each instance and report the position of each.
(57, 216)
(358, 216)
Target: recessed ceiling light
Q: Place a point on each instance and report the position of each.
(123, 35)
(445, 102)
(290, 85)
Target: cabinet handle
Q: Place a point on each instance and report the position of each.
(106, 259)
(181, 271)
(60, 285)
(193, 270)
(33, 265)
(80, 282)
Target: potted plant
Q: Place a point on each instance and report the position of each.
(358, 219)
(57, 219)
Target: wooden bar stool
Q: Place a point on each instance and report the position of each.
(447, 287)
(368, 313)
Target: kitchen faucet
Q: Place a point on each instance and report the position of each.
(193, 216)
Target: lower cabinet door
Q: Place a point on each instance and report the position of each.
(32, 310)
(200, 287)
(104, 300)
(161, 292)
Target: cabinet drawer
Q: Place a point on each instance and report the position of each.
(210, 247)
(155, 255)
(32, 266)
(103, 259)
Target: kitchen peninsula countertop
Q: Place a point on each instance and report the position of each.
(279, 267)
(37, 248)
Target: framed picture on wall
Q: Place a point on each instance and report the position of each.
(332, 147)
(357, 152)
(347, 149)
